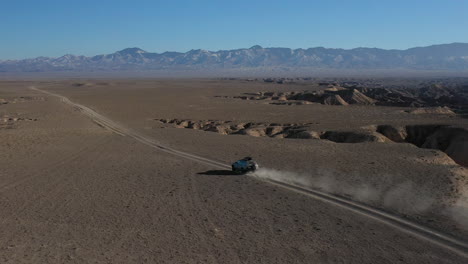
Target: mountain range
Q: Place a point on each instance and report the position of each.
(451, 57)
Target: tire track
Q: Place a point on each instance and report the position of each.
(123, 131)
(439, 238)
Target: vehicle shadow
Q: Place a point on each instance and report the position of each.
(218, 172)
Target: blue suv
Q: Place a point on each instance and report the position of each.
(244, 165)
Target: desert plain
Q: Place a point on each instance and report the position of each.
(137, 171)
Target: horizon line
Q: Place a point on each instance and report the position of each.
(254, 46)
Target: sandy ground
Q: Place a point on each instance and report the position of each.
(72, 191)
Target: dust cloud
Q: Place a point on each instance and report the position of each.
(459, 211)
(405, 197)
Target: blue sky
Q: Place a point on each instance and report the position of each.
(31, 28)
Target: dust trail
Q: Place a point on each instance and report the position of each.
(459, 211)
(404, 197)
(282, 179)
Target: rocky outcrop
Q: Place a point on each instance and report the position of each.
(305, 134)
(275, 130)
(432, 110)
(417, 134)
(8, 121)
(449, 139)
(353, 96)
(333, 99)
(395, 134)
(331, 96)
(434, 99)
(354, 136)
(435, 95)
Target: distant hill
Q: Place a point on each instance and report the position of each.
(451, 57)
